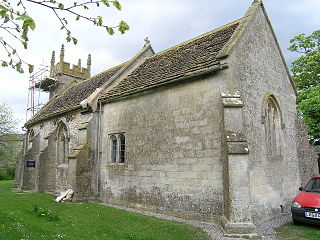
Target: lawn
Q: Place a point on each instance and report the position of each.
(301, 232)
(33, 216)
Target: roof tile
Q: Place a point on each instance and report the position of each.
(172, 64)
(71, 98)
(175, 63)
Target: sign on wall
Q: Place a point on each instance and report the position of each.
(31, 163)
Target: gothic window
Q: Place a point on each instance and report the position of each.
(31, 136)
(114, 144)
(30, 139)
(62, 144)
(272, 122)
(117, 148)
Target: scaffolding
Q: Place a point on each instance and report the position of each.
(33, 103)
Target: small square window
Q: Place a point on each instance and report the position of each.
(117, 147)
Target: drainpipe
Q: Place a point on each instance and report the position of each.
(98, 148)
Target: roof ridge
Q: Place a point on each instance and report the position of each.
(196, 59)
(198, 37)
(103, 72)
(243, 22)
(51, 101)
(117, 77)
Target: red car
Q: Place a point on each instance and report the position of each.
(305, 208)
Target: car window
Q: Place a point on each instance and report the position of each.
(313, 185)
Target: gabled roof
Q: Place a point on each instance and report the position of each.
(195, 57)
(70, 98)
(185, 60)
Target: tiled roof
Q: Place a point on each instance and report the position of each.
(175, 63)
(71, 98)
(187, 59)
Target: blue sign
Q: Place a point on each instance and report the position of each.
(31, 164)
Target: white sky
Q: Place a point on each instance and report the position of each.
(165, 22)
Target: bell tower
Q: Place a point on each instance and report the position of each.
(62, 74)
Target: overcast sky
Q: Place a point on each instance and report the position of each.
(165, 22)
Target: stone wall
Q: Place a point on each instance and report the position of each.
(45, 176)
(20, 165)
(84, 174)
(47, 162)
(173, 149)
(31, 154)
(256, 71)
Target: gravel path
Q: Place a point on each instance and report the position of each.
(265, 230)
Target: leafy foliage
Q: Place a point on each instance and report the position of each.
(7, 121)
(15, 24)
(9, 143)
(306, 75)
(7, 172)
(309, 107)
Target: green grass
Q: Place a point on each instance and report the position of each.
(301, 232)
(20, 218)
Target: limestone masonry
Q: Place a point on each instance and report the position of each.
(206, 129)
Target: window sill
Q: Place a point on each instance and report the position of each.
(115, 164)
(276, 157)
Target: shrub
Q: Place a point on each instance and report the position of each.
(7, 173)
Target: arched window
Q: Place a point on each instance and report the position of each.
(31, 135)
(272, 122)
(122, 148)
(62, 144)
(113, 147)
(29, 140)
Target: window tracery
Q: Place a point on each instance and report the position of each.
(272, 121)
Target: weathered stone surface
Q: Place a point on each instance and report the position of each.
(273, 180)
(196, 124)
(238, 148)
(164, 151)
(231, 101)
(235, 136)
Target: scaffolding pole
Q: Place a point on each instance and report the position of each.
(33, 103)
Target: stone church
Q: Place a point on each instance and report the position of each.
(206, 129)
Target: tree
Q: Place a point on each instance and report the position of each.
(7, 121)
(15, 24)
(306, 75)
(10, 142)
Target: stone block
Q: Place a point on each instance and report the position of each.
(238, 148)
(175, 174)
(231, 100)
(184, 168)
(197, 183)
(202, 168)
(190, 175)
